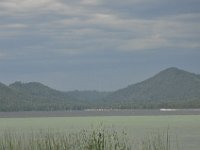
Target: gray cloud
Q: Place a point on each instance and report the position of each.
(151, 8)
(40, 36)
(79, 25)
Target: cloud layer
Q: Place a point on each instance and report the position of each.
(57, 32)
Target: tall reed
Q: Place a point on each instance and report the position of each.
(96, 139)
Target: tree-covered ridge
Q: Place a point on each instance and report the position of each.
(170, 88)
(20, 96)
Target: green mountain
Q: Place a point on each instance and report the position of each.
(5, 94)
(35, 96)
(37, 90)
(4, 90)
(10, 99)
(172, 88)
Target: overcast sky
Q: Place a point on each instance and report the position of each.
(96, 44)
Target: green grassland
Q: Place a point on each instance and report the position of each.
(183, 130)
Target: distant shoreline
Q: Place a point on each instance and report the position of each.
(101, 112)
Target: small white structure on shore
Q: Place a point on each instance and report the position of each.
(164, 109)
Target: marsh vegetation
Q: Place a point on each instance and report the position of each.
(95, 139)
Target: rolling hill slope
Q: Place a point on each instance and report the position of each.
(169, 88)
(35, 96)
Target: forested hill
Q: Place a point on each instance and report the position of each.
(170, 88)
(36, 96)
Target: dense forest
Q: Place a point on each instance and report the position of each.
(170, 88)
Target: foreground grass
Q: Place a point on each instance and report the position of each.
(186, 128)
(97, 139)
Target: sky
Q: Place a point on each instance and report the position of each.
(96, 44)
